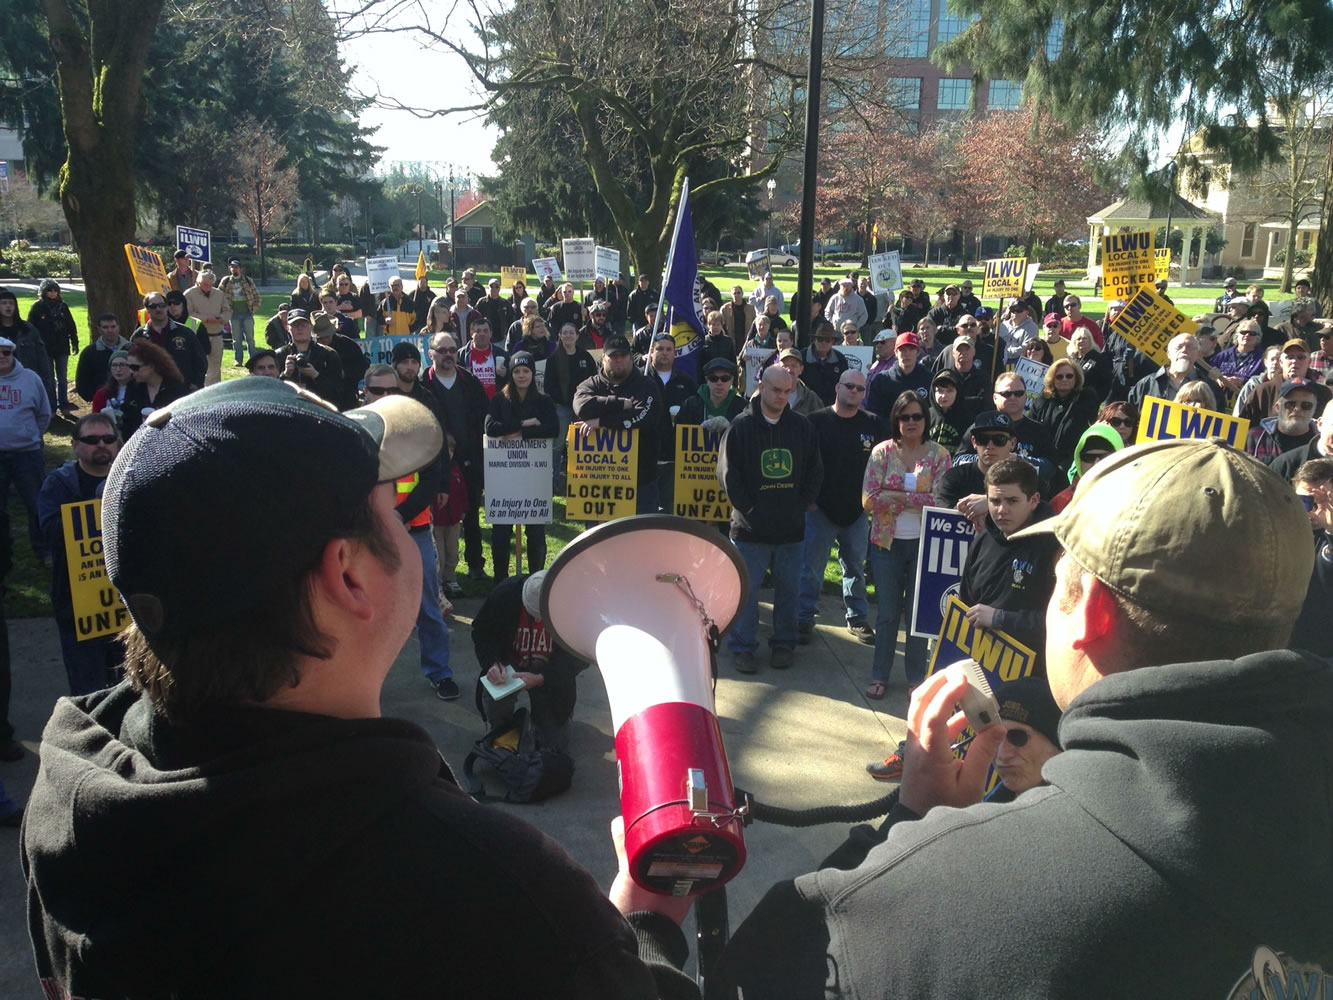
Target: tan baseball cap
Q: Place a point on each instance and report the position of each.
(1165, 522)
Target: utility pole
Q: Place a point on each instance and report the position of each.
(810, 175)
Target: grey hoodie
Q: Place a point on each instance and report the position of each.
(25, 410)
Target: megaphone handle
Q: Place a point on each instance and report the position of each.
(711, 933)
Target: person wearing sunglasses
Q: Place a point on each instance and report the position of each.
(1097, 442)
(1033, 439)
(846, 433)
(90, 664)
(902, 476)
(1292, 428)
(963, 487)
(178, 340)
(1313, 482)
(717, 402)
(156, 381)
(1066, 407)
(1123, 417)
(25, 415)
(1031, 721)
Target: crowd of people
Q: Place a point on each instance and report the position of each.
(1090, 555)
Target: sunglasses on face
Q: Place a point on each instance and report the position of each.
(6, 352)
(444, 350)
(998, 440)
(375, 390)
(719, 378)
(852, 386)
(1305, 406)
(1307, 502)
(1017, 737)
(1061, 376)
(97, 439)
(157, 305)
(911, 416)
(1011, 393)
(1120, 421)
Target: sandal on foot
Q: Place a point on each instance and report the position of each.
(875, 691)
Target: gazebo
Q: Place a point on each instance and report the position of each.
(1134, 214)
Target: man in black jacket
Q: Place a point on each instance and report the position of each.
(176, 339)
(462, 400)
(351, 358)
(95, 359)
(1007, 581)
(52, 318)
(845, 434)
(622, 396)
(1140, 892)
(509, 632)
(309, 363)
(770, 465)
(639, 299)
(28, 345)
(254, 706)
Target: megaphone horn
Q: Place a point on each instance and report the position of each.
(639, 596)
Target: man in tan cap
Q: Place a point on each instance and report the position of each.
(1180, 841)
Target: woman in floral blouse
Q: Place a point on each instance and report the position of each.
(901, 478)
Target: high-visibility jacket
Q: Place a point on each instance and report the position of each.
(404, 488)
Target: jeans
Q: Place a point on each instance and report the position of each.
(820, 534)
(90, 665)
(6, 681)
(242, 332)
(432, 632)
(25, 469)
(534, 548)
(646, 498)
(786, 562)
(60, 368)
(895, 584)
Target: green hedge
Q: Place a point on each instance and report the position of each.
(18, 260)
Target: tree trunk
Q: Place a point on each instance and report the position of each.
(1322, 272)
(926, 258)
(1293, 230)
(100, 75)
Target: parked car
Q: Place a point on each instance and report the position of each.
(776, 257)
(821, 248)
(709, 258)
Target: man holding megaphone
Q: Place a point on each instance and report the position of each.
(1158, 858)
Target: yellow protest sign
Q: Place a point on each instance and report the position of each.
(1162, 260)
(509, 276)
(1165, 420)
(1002, 656)
(150, 274)
(699, 495)
(97, 606)
(1005, 278)
(1149, 322)
(601, 473)
(1128, 262)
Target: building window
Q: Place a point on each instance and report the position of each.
(905, 93)
(476, 236)
(1306, 238)
(1247, 240)
(908, 33)
(955, 95)
(1003, 95)
(950, 26)
(1055, 40)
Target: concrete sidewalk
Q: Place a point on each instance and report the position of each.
(797, 738)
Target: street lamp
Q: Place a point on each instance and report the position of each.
(421, 233)
(772, 186)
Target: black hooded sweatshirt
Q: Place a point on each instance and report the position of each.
(263, 853)
(1016, 576)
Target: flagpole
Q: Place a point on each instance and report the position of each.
(671, 256)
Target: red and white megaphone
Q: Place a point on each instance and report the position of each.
(637, 596)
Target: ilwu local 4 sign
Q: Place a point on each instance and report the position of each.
(98, 609)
